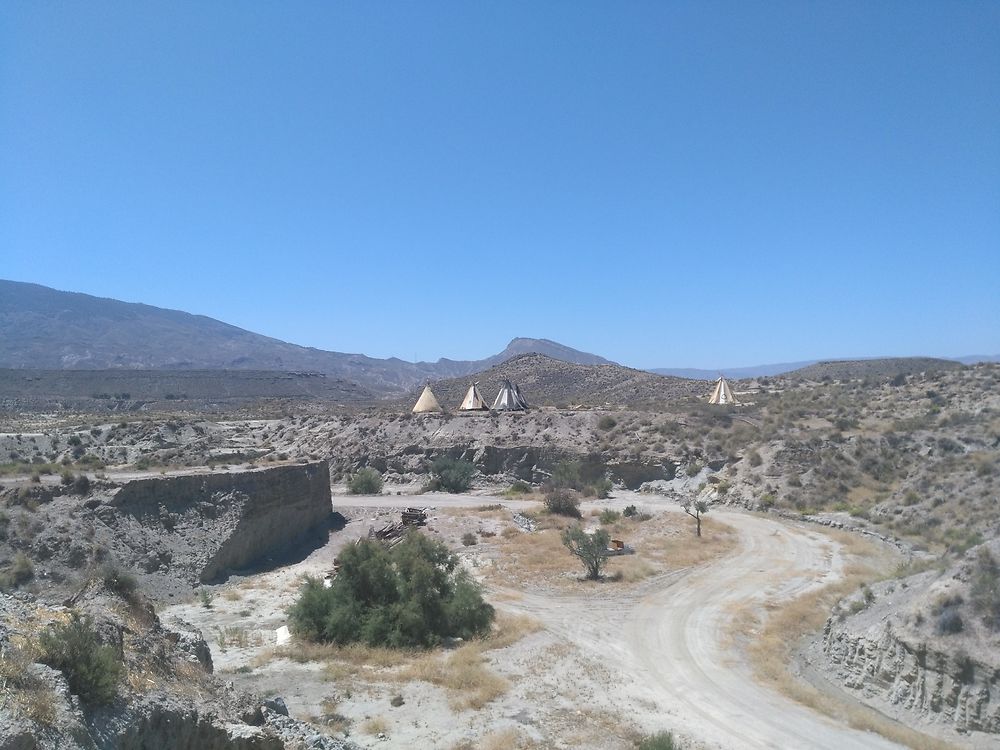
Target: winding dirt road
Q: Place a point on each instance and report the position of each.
(669, 637)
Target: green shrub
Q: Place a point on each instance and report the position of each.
(949, 621)
(115, 579)
(562, 502)
(606, 423)
(609, 516)
(412, 595)
(366, 482)
(519, 488)
(93, 671)
(469, 539)
(451, 475)
(602, 488)
(984, 594)
(659, 741)
(17, 573)
(630, 510)
(81, 485)
(67, 477)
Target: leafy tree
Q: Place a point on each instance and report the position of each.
(451, 474)
(412, 595)
(591, 549)
(93, 671)
(366, 482)
(696, 509)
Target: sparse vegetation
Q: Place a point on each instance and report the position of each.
(367, 481)
(92, 670)
(18, 573)
(984, 594)
(451, 475)
(562, 502)
(659, 741)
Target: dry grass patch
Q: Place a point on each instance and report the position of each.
(528, 557)
(463, 673)
(375, 725)
(774, 642)
(504, 739)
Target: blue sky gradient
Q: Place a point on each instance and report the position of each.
(697, 184)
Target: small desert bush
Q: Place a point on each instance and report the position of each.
(17, 573)
(518, 488)
(606, 423)
(562, 502)
(659, 741)
(469, 539)
(366, 482)
(984, 594)
(450, 475)
(609, 516)
(949, 618)
(93, 671)
(120, 581)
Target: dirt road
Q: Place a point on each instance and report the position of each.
(669, 639)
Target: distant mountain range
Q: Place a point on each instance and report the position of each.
(45, 329)
(42, 328)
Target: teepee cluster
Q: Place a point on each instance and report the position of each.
(508, 399)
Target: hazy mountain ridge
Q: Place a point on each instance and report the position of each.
(46, 329)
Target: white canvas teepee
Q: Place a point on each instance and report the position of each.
(509, 398)
(723, 394)
(474, 400)
(427, 402)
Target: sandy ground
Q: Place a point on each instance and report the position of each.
(608, 662)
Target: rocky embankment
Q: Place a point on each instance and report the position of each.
(166, 696)
(503, 446)
(209, 525)
(918, 649)
(173, 533)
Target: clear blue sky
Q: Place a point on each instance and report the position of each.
(664, 183)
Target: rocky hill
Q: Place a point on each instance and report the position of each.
(42, 328)
(878, 369)
(547, 381)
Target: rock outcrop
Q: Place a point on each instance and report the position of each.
(209, 525)
(919, 650)
(945, 686)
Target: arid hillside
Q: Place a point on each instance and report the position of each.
(545, 381)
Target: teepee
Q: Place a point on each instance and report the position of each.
(723, 394)
(473, 400)
(509, 398)
(427, 402)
